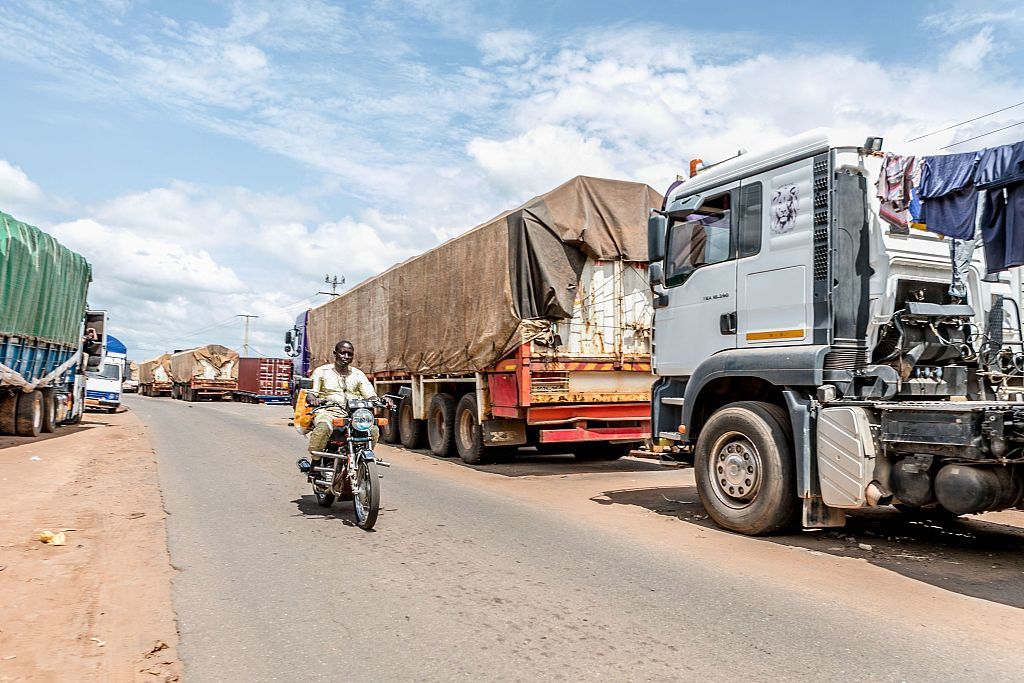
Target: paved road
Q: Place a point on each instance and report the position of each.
(549, 570)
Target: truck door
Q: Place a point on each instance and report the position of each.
(700, 280)
(775, 264)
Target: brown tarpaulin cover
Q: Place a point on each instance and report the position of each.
(147, 367)
(188, 364)
(470, 301)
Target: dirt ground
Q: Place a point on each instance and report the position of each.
(99, 607)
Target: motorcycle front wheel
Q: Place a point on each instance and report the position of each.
(366, 497)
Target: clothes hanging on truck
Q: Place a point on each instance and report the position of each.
(949, 194)
(1001, 172)
(900, 174)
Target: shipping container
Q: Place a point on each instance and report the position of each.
(264, 380)
(532, 329)
(209, 371)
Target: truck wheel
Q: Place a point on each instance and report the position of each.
(389, 432)
(469, 440)
(29, 419)
(411, 432)
(9, 412)
(744, 466)
(440, 424)
(49, 411)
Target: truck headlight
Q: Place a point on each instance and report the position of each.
(362, 419)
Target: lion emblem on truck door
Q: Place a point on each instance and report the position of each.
(784, 209)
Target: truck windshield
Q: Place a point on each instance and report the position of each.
(110, 371)
(700, 239)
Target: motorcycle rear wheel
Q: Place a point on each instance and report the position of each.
(366, 497)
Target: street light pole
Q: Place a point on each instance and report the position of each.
(245, 337)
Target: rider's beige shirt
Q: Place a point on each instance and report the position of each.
(328, 384)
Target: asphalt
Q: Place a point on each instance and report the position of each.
(475, 575)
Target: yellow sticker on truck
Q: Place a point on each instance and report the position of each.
(776, 334)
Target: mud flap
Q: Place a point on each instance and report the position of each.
(504, 432)
(817, 515)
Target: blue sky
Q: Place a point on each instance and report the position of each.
(219, 158)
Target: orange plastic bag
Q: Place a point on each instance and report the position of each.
(303, 413)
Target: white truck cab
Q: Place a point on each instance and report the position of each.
(103, 384)
(809, 357)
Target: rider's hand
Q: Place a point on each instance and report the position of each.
(312, 400)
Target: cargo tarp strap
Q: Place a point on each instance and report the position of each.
(10, 376)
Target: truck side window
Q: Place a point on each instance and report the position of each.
(700, 239)
(750, 220)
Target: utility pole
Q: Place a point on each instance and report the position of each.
(245, 337)
(333, 282)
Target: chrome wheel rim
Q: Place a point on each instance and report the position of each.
(735, 470)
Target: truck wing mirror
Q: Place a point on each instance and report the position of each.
(656, 273)
(657, 227)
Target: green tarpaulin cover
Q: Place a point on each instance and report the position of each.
(43, 285)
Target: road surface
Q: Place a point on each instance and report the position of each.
(547, 569)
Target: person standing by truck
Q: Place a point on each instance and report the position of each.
(335, 382)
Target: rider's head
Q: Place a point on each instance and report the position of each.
(343, 352)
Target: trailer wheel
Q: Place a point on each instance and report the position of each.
(441, 424)
(745, 470)
(29, 417)
(8, 412)
(411, 432)
(389, 432)
(49, 411)
(469, 440)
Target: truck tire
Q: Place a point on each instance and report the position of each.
(389, 432)
(9, 412)
(49, 411)
(29, 417)
(469, 440)
(411, 432)
(441, 424)
(745, 469)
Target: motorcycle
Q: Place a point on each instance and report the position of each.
(347, 468)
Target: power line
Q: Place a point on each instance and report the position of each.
(957, 125)
(1012, 125)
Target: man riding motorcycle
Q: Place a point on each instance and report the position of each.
(335, 382)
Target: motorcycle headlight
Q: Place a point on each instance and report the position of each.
(362, 419)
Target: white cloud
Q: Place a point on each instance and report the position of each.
(16, 188)
(145, 267)
(970, 54)
(506, 46)
(540, 159)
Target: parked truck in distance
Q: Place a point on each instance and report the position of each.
(205, 372)
(529, 330)
(813, 361)
(155, 376)
(43, 317)
(264, 380)
(103, 386)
